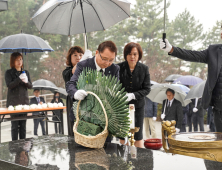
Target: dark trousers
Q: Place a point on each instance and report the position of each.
(18, 127)
(70, 122)
(183, 128)
(189, 123)
(218, 119)
(198, 120)
(58, 126)
(36, 124)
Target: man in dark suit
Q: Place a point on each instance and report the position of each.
(102, 62)
(212, 56)
(173, 109)
(198, 116)
(37, 100)
(210, 119)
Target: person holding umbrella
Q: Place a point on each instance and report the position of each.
(73, 57)
(212, 56)
(18, 84)
(172, 109)
(135, 78)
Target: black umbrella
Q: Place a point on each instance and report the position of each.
(172, 77)
(43, 84)
(62, 92)
(3, 5)
(23, 43)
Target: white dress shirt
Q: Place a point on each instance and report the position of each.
(170, 102)
(98, 68)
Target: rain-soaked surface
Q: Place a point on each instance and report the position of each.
(61, 152)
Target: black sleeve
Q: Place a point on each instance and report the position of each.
(67, 74)
(145, 86)
(10, 82)
(189, 55)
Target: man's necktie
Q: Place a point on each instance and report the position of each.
(169, 104)
(38, 100)
(101, 71)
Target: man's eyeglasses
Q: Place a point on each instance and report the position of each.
(110, 61)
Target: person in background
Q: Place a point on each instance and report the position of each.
(135, 78)
(198, 116)
(210, 119)
(18, 84)
(184, 121)
(189, 116)
(172, 109)
(58, 113)
(149, 118)
(38, 100)
(73, 57)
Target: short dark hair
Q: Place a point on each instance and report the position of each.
(128, 48)
(13, 57)
(108, 44)
(36, 90)
(73, 49)
(170, 90)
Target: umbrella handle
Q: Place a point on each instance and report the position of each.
(165, 106)
(164, 37)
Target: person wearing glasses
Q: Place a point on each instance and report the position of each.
(102, 62)
(135, 78)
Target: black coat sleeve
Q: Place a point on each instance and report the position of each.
(10, 82)
(67, 74)
(145, 86)
(189, 55)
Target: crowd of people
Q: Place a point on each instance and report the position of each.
(135, 78)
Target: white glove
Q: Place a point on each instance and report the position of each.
(25, 80)
(208, 126)
(154, 118)
(163, 116)
(195, 110)
(177, 130)
(80, 94)
(22, 76)
(130, 96)
(167, 44)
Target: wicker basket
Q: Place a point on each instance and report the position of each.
(91, 141)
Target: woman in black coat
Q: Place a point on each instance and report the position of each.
(58, 113)
(135, 78)
(18, 85)
(74, 55)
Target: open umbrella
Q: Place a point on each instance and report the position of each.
(3, 5)
(43, 84)
(184, 88)
(172, 77)
(158, 93)
(196, 91)
(62, 92)
(70, 17)
(23, 43)
(188, 80)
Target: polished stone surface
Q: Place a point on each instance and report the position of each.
(61, 152)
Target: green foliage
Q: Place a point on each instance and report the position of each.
(113, 99)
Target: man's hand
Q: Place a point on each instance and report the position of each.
(154, 118)
(195, 110)
(163, 116)
(177, 130)
(80, 94)
(167, 44)
(130, 96)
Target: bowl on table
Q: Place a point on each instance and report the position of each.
(153, 143)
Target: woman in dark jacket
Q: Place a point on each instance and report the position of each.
(58, 113)
(18, 84)
(74, 55)
(135, 78)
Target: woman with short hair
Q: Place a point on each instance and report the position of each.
(73, 57)
(18, 84)
(135, 78)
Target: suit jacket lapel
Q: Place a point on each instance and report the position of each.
(219, 59)
(92, 63)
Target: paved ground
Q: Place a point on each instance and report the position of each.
(6, 129)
